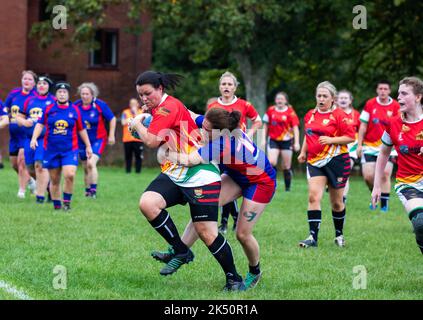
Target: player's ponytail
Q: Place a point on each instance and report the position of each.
(233, 120)
(222, 119)
(157, 79)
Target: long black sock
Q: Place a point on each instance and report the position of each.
(287, 177)
(164, 225)
(255, 269)
(226, 210)
(384, 200)
(338, 221)
(222, 251)
(314, 220)
(416, 218)
(234, 211)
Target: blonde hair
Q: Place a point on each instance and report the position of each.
(329, 86)
(32, 73)
(91, 86)
(230, 75)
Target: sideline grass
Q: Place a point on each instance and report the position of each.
(105, 246)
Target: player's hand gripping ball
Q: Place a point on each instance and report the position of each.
(145, 118)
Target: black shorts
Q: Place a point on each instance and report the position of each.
(336, 170)
(281, 145)
(203, 201)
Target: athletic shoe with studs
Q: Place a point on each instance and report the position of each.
(176, 262)
(307, 243)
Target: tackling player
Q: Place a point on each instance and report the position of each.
(247, 173)
(228, 84)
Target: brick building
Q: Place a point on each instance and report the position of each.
(113, 67)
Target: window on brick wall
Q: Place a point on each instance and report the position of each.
(43, 13)
(106, 56)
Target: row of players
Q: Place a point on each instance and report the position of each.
(328, 131)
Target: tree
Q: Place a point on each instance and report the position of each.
(273, 44)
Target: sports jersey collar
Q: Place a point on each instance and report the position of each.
(44, 97)
(62, 106)
(325, 112)
(283, 110)
(347, 112)
(227, 104)
(384, 104)
(411, 122)
(163, 98)
(87, 107)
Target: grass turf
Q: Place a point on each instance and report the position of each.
(105, 246)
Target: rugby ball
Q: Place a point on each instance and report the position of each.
(147, 120)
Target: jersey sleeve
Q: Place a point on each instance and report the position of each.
(80, 125)
(3, 109)
(8, 101)
(212, 150)
(365, 114)
(266, 117)
(295, 121)
(107, 113)
(123, 116)
(386, 139)
(251, 111)
(199, 121)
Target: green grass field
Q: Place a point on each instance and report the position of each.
(105, 246)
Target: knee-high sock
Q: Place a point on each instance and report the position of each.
(314, 220)
(166, 228)
(222, 252)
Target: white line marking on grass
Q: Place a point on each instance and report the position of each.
(13, 291)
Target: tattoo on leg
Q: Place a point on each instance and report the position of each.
(250, 215)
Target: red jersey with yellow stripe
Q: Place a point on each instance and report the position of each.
(246, 109)
(377, 116)
(173, 123)
(331, 124)
(280, 123)
(407, 138)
